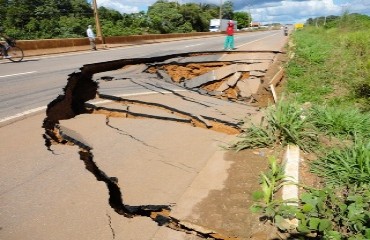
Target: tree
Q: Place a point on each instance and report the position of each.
(52, 9)
(228, 10)
(109, 15)
(72, 27)
(80, 8)
(243, 19)
(37, 19)
(2, 11)
(139, 20)
(18, 14)
(192, 15)
(210, 10)
(164, 16)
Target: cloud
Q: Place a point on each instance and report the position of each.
(357, 6)
(265, 11)
(124, 6)
(289, 11)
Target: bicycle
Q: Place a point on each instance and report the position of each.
(15, 53)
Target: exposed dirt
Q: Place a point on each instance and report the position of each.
(192, 70)
(180, 73)
(214, 85)
(264, 97)
(184, 72)
(232, 93)
(227, 210)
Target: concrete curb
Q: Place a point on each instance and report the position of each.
(291, 169)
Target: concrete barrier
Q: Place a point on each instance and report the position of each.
(75, 42)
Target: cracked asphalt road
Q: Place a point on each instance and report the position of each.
(161, 150)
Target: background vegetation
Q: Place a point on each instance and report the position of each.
(44, 19)
(325, 109)
(332, 62)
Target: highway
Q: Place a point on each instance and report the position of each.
(136, 167)
(32, 84)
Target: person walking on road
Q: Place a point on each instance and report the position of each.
(229, 40)
(91, 36)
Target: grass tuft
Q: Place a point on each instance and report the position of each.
(348, 166)
(285, 123)
(341, 122)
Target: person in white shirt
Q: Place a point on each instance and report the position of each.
(91, 36)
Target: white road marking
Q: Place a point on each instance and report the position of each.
(17, 74)
(22, 114)
(193, 45)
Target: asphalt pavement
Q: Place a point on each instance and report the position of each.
(152, 159)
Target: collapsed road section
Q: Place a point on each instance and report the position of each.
(208, 90)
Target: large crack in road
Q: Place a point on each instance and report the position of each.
(82, 88)
(201, 121)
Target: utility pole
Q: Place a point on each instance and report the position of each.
(220, 11)
(250, 16)
(99, 32)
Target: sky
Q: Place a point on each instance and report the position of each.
(264, 11)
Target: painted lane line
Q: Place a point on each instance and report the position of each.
(193, 45)
(257, 40)
(17, 74)
(23, 114)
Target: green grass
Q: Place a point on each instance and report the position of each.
(348, 166)
(326, 111)
(330, 67)
(285, 123)
(254, 137)
(342, 122)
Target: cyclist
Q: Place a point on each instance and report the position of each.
(286, 30)
(3, 47)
